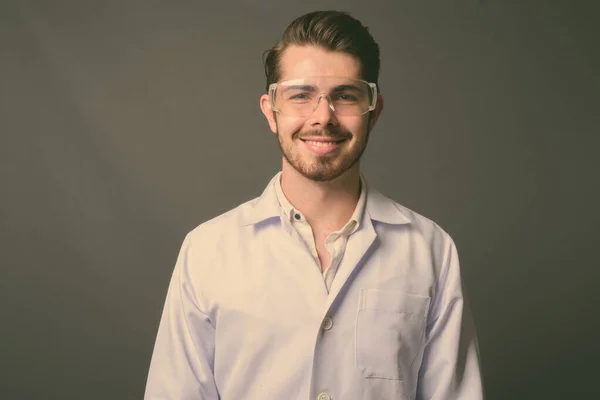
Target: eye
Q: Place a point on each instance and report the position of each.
(346, 97)
(299, 96)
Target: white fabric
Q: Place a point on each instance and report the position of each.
(248, 316)
(335, 241)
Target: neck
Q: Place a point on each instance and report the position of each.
(326, 205)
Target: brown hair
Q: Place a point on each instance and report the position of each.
(331, 30)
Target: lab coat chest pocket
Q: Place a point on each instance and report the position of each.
(390, 328)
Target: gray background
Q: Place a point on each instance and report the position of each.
(125, 124)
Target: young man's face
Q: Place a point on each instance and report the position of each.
(320, 163)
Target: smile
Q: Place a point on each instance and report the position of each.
(322, 147)
(322, 143)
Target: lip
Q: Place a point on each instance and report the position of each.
(322, 149)
(323, 139)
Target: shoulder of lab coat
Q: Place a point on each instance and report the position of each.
(451, 359)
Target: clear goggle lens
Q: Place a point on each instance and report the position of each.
(301, 97)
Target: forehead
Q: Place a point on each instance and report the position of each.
(303, 61)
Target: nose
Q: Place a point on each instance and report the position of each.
(324, 112)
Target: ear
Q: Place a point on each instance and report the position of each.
(265, 106)
(376, 112)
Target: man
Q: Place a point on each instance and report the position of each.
(321, 288)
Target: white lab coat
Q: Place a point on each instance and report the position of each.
(247, 314)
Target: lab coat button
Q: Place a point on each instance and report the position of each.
(324, 396)
(327, 323)
(297, 216)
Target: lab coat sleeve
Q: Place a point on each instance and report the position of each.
(182, 362)
(451, 366)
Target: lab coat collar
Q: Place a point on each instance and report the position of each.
(378, 207)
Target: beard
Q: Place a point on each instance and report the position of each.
(326, 167)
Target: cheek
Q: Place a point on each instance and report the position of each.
(358, 127)
(355, 122)
(288, 127)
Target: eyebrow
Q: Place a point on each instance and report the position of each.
(345, 87)
(305, 88)
(311, 88)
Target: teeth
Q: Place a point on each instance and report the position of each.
(322, 144)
